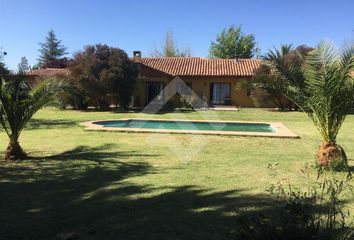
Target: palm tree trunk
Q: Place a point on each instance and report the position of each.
(330, 154)
(14, 151)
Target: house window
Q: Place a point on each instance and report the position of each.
(154, 92)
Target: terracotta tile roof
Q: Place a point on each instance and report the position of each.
(48, 72)
(195, 66)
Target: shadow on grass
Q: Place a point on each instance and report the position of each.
(35, 123)
(59, 199)
(99, 155)
(101, 203)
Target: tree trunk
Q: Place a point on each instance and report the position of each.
(331, 154)
(14, 151)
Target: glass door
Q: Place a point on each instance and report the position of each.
(221, 93)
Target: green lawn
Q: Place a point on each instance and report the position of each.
(110, 185)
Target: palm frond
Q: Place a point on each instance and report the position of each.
(330, 98)
(19, 102)
(321, 85)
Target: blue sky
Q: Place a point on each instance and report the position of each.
(141, 25)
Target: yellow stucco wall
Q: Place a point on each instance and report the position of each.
(201, 86)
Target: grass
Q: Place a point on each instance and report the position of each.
(110, 185)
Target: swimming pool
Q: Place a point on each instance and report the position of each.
(192, 127)
(188, 125)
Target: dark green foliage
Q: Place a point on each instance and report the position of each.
(58, 63)
(233, 43)
(103, 75)
(315, 211)
(51, 50)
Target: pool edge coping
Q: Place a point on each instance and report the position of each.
(282, 131)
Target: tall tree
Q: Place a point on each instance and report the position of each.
(100, 72)
(327, 95)
(19, 102)
(51, 49)
(23, 65)
(233, 43)
(169, 48)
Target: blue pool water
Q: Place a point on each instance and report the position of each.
(188, 125)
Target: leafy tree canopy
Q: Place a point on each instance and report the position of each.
(100, 71)
(233, 43)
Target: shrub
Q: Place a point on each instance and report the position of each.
(317, 212)
(178, 102)
(100, 72)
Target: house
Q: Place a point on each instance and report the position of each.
(218, 81)
(35, 75)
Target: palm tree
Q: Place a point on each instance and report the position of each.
(289, 61)
(326, 95)
(19, 102)
(286, 58)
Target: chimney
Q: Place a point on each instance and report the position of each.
(137, 56)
